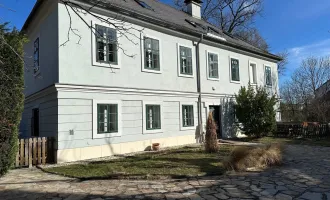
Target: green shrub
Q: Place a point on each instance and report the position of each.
(211, 141)
(255, 110)
(11, 98)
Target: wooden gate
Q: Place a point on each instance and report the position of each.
(35, 151)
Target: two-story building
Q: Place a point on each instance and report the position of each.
(115, 76)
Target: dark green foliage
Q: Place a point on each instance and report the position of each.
(11, 98)
(211, 141)
(255, 110)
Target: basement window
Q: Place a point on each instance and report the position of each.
(144, 4)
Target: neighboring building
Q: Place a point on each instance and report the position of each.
(324, 90)
(97, 101)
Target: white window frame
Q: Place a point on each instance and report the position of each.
(208, 67)
(144, 117)
(271, 75)
(143, 55)
(239, 69)
(107, 135)
(192, 60)
(182, 128)
(251, 73)
(35, 74)
(94, 47)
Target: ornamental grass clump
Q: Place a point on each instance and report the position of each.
(211, 140)
(246, 158)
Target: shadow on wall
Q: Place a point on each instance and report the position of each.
(230, 128)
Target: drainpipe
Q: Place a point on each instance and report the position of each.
(200, 120)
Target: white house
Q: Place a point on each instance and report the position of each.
(103, 88)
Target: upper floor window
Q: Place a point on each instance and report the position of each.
(185, 61)
(234, 69)
(36, 56)
(268, 76)
(106, 45)
(213, 65)
(151, 52)
(107, 118)
(253, 73)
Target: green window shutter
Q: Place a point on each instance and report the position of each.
(151, 51)
(187, 115)
(213, 65)
(107, 118)
(268, 75)
(153, 117)
(185, 60)
(235, 70)
(106, 45)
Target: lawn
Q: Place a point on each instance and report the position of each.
(175, 163)
(302, 141)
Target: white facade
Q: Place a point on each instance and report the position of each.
(77, 83)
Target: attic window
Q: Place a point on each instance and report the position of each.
(143, 4)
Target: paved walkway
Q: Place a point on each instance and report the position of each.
(304, 175)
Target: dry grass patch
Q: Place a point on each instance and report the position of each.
(246, 158)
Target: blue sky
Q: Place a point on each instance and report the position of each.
(300, 26)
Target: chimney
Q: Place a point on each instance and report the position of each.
(194, 8)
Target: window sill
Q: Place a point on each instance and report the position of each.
(105, 135)
(213, 79)
(108, 65)
(236, 82)
(186, 76)
(151, 71)
(153, 131)
(183, 128)
(253, 84)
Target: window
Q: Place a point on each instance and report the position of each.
(106, 45)
(187, 115)
(268, 76)
(107, 118)
(253, 73)
(36, 56)
(213, 65)
(185, 60)
(153, 117)
(35, 122)
(151, 49)
(234, 69)
(143, 4)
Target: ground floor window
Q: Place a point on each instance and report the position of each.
(187, 115)
(107, 118)
(153, 117)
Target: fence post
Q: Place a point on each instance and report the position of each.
(22, 152)
(43, 150)
(30, 152)
(17, 154)
(35, 151)
(39, 151)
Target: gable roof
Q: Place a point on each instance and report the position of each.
(169, 17)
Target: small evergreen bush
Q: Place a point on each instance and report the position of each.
(211, 141)
(255, 109)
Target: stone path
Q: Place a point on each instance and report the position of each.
(304, 175)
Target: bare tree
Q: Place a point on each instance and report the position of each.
(229, 15)
(253, 37)
(281, 66)
(304, 90)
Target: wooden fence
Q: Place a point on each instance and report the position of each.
(35, 151)
(304, 130)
